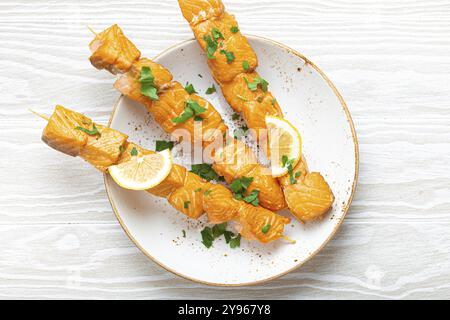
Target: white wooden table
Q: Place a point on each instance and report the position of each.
(389, 59)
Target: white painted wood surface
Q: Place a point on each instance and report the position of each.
(390, 60)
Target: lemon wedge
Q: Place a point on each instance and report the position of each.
(142, 172)
(285, 145)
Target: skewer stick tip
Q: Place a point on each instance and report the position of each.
(92, 30)
(39, 115)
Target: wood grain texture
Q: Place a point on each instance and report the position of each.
(389, 59)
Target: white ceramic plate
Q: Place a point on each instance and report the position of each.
(311, 102)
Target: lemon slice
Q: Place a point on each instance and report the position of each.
(284, 142)
(142, 172)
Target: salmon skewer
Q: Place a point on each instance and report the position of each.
(232, 62)
(107, 147)
(151, 84)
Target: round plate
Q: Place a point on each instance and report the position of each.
(311, 102)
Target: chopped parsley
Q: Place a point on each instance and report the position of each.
(274, 101)
(207, 237)
(241, 132)
(240, 186)
(288, 164)
(235, 116)
(216, 34)
(191, 109)
(190, 88)
(147, 81)
(207, 192)
(198, 190)
(186, 204)
(258, 81)
(93, 132)
(163, 145)
(205, 171)
(211, 46)
(235, 242)
(229, 55)
(210, 234)
(297, 174)
(121, 149)
(245, 65)
(234, 29)
(211, 89)
(134, 152)
(184, 233)
(266, 228)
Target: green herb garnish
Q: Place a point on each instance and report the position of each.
(288, 164)
(190, 88)
(93, 132)
(211, 89)
(216, 34)
(147, 81)
(235, 116)
(252, 198)
(121, 149)
(205, 171)
(266, 228)
(241, 184)
(258, 81)
(186, 204)
(211, 46)
(207, 192)
(297, 174)
(163, 145)
(235, 242)
(191, 109)
(184, 233)
(229, 55)
(219, 229)
(234, 29)
(198, 190)
(134, 152)
(207, 237)
(274, 101)
(245, 65)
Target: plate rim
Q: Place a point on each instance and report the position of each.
(311, 255)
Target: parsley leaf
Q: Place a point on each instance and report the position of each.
(205, 171)
(211, 89)
(252, 198)
(191, 109)
(258, 81)
(241, 132)
(148, 87)
(134, 152)
(288, 164)
(93, 132)
(184, 233)
(207, 192)
(121, 149)
(235, 116)
(207, 237)
(163, 145)
(235, 242)
(219, 229)
(211, 46)
(216, 34)
(190, 88)
(274, 101)
(241, 184)
(245, 65)
(266, 228)
(234, 29)
(229, 55)
(186, 204)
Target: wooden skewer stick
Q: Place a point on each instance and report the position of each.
(92, 30)
(39, 115)
(291, 241)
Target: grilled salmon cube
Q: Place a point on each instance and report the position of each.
(195, 11)
(189, 198)
(61, 133)
(219, 204)
(113, 51)
(103, 150)
(175, 180)
(224, 70)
